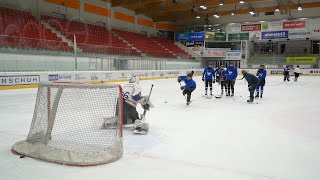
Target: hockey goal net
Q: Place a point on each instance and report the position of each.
(66, 124)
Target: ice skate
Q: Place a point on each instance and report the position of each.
(250, 100)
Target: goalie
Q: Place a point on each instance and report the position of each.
(131, 97)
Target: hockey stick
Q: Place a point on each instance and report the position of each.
(143, 127)
(145, 111)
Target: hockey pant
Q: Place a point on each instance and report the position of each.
(260, 87)
(208, 83)
(129, 113)
(223, 85)
(230, 86)
(254, 86)
(286, 77)
(188, 93)
(296, 76)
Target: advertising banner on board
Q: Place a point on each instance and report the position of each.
(299, 34)
(274, 34)
(19, 80)
(215, 36)
(301, 59)
(195, 43)
(238, 37)
(190, 36)
(233, 55)
(272, 26)
(251, 27)
(60, 77)
(293, 24)
(210, 52)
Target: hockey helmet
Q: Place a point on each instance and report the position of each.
(134, 79)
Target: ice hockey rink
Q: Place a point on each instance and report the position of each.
(213, 139)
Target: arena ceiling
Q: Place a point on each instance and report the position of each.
(173, 10)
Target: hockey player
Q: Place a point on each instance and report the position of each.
(221, 77)
(131, 97)
(232, 74)
(297, 72)
(253, 83)
(192, 71)
(261, 74)
(190, 86)
(286, 74)
(208, 77)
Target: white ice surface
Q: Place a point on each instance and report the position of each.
(212, 139)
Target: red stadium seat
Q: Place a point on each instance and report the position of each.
(27, 32)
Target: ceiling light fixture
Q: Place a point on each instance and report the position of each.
(233, 12)
(198, 17)
(221, 3)
(299, 6)
(277, 9)
(241, 2)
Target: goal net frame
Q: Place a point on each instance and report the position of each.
(106, 144)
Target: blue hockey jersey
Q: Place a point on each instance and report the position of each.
(286, 71)
(221, 74)
(261, 73)
(190, 84)
(208, 73)
(232, 73)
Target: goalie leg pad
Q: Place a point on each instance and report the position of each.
(141, 127)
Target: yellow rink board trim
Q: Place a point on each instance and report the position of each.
(120, 80)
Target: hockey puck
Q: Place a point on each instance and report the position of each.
(165, 102)
(22, 156)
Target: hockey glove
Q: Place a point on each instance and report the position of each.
(202, 78)
(182, 88)
(146, 106)
(179, 79)
(250, 88)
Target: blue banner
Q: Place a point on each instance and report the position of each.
(190, 36)
(274, 35)
(181, 37)
(196, 36)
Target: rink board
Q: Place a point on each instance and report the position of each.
(18, 80)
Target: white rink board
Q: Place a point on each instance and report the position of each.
(21, 78)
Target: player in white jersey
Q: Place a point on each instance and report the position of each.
(131, 97)
(131, 94)
(297, 72)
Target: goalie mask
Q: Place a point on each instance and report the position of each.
(134, 79)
